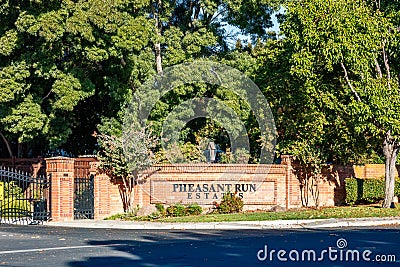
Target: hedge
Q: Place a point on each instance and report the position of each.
(178, 210)
(367, 190)
(14, 208)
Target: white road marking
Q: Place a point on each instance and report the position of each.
(55, 248)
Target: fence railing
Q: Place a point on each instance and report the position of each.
(24, 199)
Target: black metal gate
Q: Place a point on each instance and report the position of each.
(84, 198)
(23, 199)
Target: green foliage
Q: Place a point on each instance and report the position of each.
(230, 203)
(367, 190)
(55, 56)
(11, 202)
(194, 209)
(319, 102)
(343, 69)
(351, 190)
(154, 216)
(226, 157)
(365, 211)
(12, 190)
(111, 156)
(26, 119)
(66, 67)
(160, 208)
(121, 160)
(181, 153)
(312, 159)
(240, 156)
(361, 211)
(179, 210)
(124, 161)
(176, 210)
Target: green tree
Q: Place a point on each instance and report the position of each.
(186, 31)
(343, 59)
(36, 89)
(69, 67)
(58, 57)
(125, 162)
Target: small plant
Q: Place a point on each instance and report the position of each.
(12, 190)
(160, 208)
(179, 210)
(230, 203)
(176, 210)
(181, 153)
(226, 157)
(154, 216)
(194, 209)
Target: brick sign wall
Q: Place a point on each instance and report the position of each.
(260, 186)
(205, 191)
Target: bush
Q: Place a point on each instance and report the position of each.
(13, 207)
(160, 208)
(179, 210)
(15, 204)
(176, 210)
(367, 190)
(230, 203)
(154, 216)
(194, 209)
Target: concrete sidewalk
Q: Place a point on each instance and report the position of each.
(278, 224)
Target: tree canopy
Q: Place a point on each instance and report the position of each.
(343, 65)
(68, 68)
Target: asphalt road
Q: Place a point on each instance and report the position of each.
(50, 246)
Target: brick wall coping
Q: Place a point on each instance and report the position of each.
(218, 168)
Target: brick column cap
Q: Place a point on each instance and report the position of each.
(287, 159)
(60, 164)
(60, 158)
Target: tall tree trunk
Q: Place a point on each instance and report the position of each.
(390, 151)
(305, 187)
(157, 44)
(157, 48)
(7, 144)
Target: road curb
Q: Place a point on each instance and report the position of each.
(249, 225)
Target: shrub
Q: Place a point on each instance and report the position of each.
(367, 190)
(230, 203)
(176, 210)
(181, 153)
(241, 155)
(154, 216)
(160, 208)
(351, 190)
(194, 209)
(11, 207)
(12, 190)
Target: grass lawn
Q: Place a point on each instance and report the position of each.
(362, 211)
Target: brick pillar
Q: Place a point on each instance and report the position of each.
(101, 194)
(287, 160)
(107, 199)
(61, 170)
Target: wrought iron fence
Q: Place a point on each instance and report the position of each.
(24, 199)
(84, 198)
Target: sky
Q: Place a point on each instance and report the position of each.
(246, 38)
